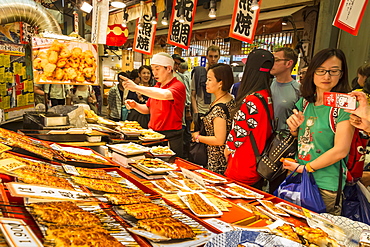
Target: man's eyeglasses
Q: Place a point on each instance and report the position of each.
(281, 59)
(333, 72)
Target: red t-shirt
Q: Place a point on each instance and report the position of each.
(167, 114)
(251, 116)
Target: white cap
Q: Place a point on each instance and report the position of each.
(163, 59)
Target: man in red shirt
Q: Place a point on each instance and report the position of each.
(166, 103)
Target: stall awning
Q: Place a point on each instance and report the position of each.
(279, 13)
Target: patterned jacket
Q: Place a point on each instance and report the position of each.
(114, 102)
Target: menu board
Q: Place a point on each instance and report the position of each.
(64, 62)
(16, 81)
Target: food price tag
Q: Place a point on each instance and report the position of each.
(18, 234)
(193, 176)
(71, 170)
(29, 190)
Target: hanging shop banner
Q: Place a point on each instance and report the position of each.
(116, 35)
(64, 62)
(179, 34)
(75, 21)
(144, 38)
(100, 15)
(349, 15)
(244, 21)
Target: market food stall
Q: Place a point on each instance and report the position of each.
(56, 192)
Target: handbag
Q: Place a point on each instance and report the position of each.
(198, 153)
(277, 146)
(356, 203)
(301, 189)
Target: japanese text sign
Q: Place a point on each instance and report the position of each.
(349, 15)
(244, 21)
(18, 234)
(144, 38)
(28, 190)
(179, 34)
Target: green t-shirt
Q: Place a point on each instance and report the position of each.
(315, 137)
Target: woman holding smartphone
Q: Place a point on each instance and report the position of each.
(323, 140)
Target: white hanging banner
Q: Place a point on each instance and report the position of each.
(349, 15)
(244, 21)
(100, 15)
(75, 17)
(144, 38)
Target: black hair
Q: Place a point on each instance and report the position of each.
(252, 81)
(224, 73)
(122, 74)
(134, 74)
(308, 87)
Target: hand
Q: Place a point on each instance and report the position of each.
(130, 104)
(90, 100)
(295, 120)
(291, 166)
(194, 135)
(360, 123)
(363, 109)
(128, 84)
(227, 153)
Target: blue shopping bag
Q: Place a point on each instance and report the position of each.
(355, 204)
(301, 189)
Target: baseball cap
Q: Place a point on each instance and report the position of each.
(261, 60)
(177, 56)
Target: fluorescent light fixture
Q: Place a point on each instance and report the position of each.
(212, 13)
(118, 4)
(164, 21)
(86, 7)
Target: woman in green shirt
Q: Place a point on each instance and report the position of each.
(323, 144)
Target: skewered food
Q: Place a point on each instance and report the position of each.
(199, 206)
(32, 165)
(146, 210)
(168, 227)
(103, 185)
(192, 185)
(127, 198)
(94, 173)
(287, 231)
(152, 163)
(166, 186)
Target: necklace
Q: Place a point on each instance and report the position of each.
(219, 98)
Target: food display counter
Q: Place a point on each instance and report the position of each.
(58, 192)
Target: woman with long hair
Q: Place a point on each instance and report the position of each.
(363, 79)
(322, 148)
(250, 119)
(217, 121)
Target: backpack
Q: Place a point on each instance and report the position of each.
(356, 157)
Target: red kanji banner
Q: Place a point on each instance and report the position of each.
(349, 15)
(144, 38)
(179, 33)
(244, 21)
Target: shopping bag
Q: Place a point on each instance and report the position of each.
(301, 189)
(356, 205)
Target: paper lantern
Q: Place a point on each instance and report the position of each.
(116, 35)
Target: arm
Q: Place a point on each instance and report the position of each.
(194, 101)
(38, 90)
(294, 121)
(363, 109)
(219, 138)
(342, 143)
(152, 92)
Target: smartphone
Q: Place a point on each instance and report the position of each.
(340, 100)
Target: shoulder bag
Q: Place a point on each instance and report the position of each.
(198, 151)
(277, 146)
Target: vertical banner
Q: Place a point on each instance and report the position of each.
(349, 15)
(179, 34)
(244, 21)
(100, 14)
(144, 38)
(75, 18)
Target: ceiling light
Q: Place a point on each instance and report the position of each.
(164, 21)
(140, 26)
(255, 5)
(154, 14)
(118, 4)
(86, 7)
(125, 18)
(182, 19)
(212, 13)
(124, 23)
(154, 20)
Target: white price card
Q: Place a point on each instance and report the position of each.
(29, 190)
(193, 176)
(18, 234)
(70, 170)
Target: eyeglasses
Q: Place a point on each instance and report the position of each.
(334, 72)
(281, 59)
